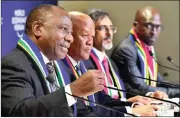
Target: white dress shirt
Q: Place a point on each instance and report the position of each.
(71, 100)
(101, 56)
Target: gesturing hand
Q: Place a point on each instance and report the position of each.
(88, 84)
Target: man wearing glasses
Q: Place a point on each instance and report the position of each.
(104, 31)
(135, 56)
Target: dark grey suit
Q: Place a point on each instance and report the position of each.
(125, 55)
(24, 91)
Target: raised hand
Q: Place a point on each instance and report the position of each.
(88, 84)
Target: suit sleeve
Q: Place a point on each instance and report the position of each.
(126, 57)
(20, 94)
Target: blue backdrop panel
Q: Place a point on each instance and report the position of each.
(14, 14)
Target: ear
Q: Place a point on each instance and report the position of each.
(37, 28)
(135, 23)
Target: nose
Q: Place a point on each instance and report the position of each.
(109, 31)
(89, 41)
(69, 38)
(153, 31)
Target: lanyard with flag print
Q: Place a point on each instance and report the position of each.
(34, 53)
(145, 69)
(63, 79)
(35, 56)
(114, 76)
(69, 64)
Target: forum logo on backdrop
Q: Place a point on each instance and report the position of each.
(18, 21)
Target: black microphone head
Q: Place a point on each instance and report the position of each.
(169, 58)
(50, 78)
(150, 52)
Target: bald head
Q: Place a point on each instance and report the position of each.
(147, 24)
(80, 20)
(147, 14)
(83, 33)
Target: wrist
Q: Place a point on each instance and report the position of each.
(75, 91)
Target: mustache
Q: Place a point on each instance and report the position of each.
(107, 38)
(65, 44)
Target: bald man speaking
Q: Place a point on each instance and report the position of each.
(134, 54)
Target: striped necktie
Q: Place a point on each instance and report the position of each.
(106, 67)
(78, 70)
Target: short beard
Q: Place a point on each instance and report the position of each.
(107, 46)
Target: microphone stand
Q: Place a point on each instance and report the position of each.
(172, 85)
(172, 61)
(161, 64)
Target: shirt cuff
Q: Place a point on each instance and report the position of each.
(123, 99)
(149, 93)
(136, 103)
(70, 99)
(129, 110)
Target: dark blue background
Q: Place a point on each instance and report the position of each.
(9, 37)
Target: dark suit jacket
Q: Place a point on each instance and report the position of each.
(24, 92)
(125, 55)
(97, 111)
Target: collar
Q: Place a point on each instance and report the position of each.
(46, 60)
(74, 62)
(100, 54)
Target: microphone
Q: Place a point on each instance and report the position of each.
(52, 80)
(172, 61)
(165, 83)
(161, 64)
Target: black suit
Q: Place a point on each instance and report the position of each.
(24, 92)
(125, 55)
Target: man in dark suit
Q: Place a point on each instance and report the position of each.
(83, 33)
(25, 89)
(104, 31)
(136, 54)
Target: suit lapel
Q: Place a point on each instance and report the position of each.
(34, 55)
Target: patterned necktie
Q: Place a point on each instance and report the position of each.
(106, 67)
(78, 70)
(52, 74)
(50, 67)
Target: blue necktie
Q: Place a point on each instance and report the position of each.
(78, 70)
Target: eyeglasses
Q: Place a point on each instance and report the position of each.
(106, 28)
(151, 26)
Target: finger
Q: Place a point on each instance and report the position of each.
(144, 101)
(155, 107)
(153, 114)
(100, 87)
(158, 95)
(99, 74)
(165, 96)
(100, 81)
